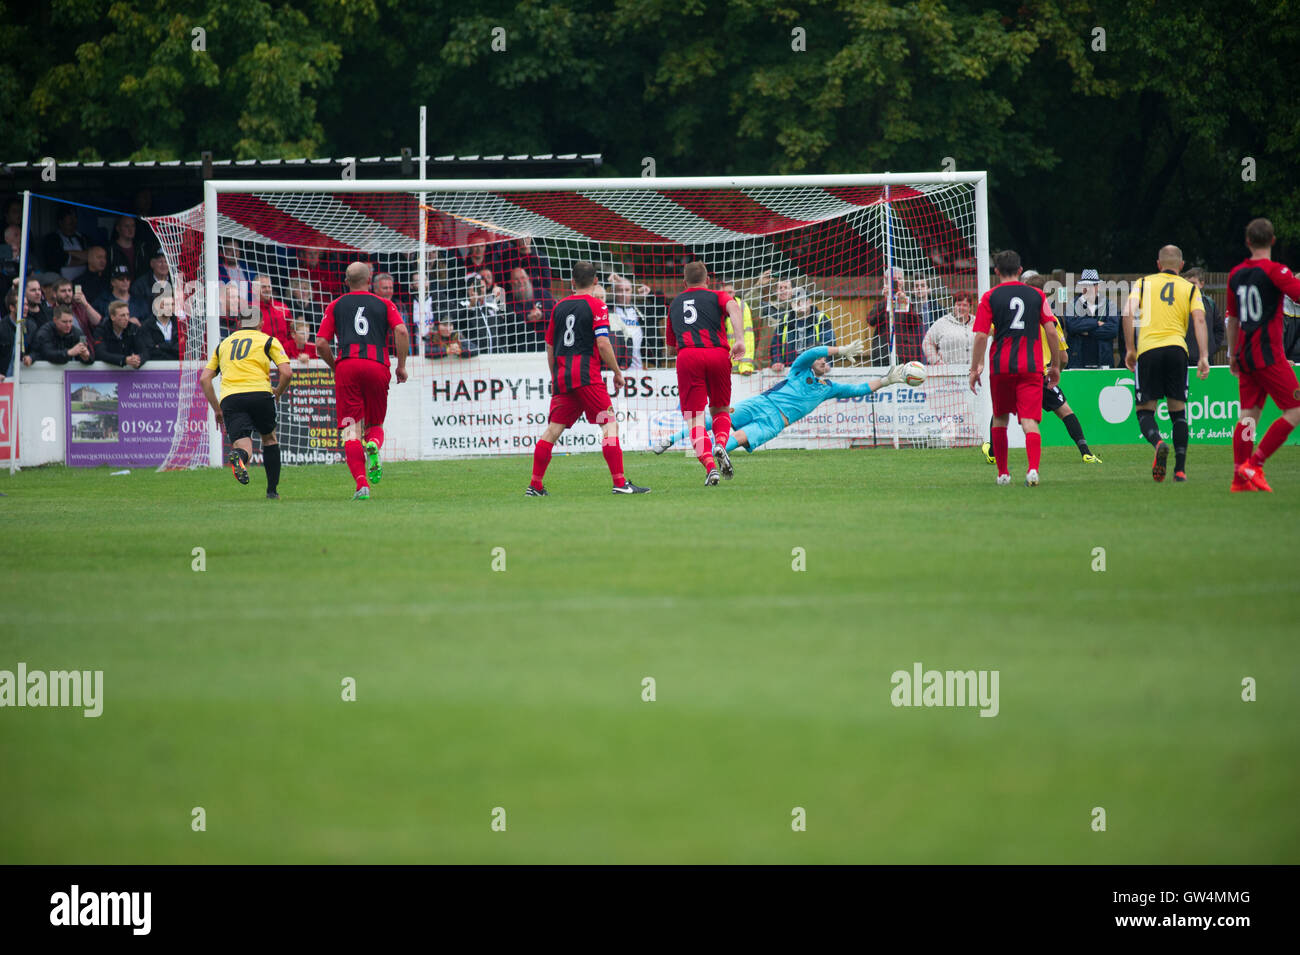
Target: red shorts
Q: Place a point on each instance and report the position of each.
(592, 400)
(360, 391)
(1277, 381)
(1020, 395)
(703, 379)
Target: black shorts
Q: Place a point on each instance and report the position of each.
(248, 412)
(1162, 373)
(1053, 397)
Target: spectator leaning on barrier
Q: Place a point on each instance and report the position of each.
(9, 336)
(161, 331)
(66, 294)
(65, 248)
(444, 342)
(951, 337)
(1091, 325)
(118, 341)
(60, 340)
(1216, 329)
(10, 250)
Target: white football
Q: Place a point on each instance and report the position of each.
(914, 373)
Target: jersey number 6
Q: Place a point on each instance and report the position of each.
(361, 323)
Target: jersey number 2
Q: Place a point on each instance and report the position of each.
(1018, 320)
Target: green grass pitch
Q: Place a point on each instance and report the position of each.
(522, 689)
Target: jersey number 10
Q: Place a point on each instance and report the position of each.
(1250, 306)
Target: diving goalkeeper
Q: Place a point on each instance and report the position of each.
(757, 420)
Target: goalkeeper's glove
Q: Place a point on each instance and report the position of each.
(895, 375)
(852, 348)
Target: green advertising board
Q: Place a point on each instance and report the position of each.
(1103, 400)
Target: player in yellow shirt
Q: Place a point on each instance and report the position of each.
(1053, 397)
(1156, 316)
(244, 360)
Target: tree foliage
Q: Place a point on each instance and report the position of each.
(1098, 153)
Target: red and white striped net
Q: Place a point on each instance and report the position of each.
(812, 263)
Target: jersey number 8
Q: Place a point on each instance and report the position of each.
(568, 329)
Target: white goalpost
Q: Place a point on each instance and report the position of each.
(477, 263)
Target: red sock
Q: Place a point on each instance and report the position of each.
(721, 430)
(541, 459)
(1274, 438)
(998, 439)
(376, 434)
(356, 458)
(613, 452)
(1034, 449)
(703, 450)
(1241, 448)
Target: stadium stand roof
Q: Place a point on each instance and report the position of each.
(177, 183)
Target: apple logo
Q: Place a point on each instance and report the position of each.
(1115, 402)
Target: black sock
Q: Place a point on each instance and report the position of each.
(271, 461)
(1147, 422)
(1072, 425)
(243, 455)
(1179, 419)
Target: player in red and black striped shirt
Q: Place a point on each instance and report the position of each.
(361, 320)
(577, 343)
(1014, 311)
(696, 330)
(1256, 288)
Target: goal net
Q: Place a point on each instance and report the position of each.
(474, 268)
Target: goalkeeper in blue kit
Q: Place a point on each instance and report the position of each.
(757, 420)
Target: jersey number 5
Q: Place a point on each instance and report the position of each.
(361, 323)
(689, 314)
(1018, 320)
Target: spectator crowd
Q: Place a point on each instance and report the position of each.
(111, 298)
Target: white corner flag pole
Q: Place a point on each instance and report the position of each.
(20, 320)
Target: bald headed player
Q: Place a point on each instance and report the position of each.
(243, 360)
(1257, 357)
(1157, 312)
(360, 321)
(697, 332)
